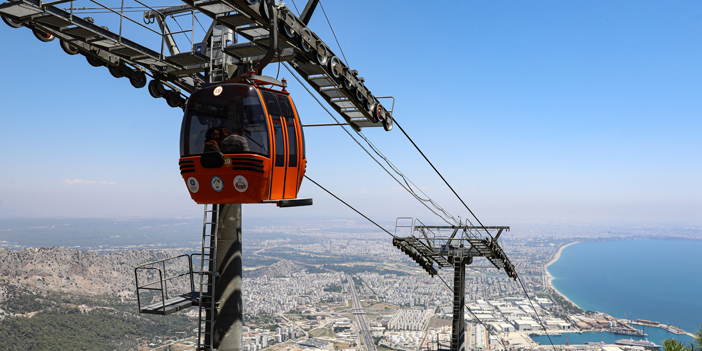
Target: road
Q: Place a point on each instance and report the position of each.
(282, 315)
(360, 317)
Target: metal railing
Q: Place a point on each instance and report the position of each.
(163, 278)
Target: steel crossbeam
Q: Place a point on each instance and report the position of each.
(452, 246)
(339, 85)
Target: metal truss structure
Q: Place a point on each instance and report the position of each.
(243, 34)
(242, 38)
(436, 247)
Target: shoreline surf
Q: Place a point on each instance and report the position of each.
(549, 278)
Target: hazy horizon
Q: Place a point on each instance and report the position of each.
(560, 112)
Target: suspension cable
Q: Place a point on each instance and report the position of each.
(442, 178)
(364, 149)
(376, 150)
(181, 29)
(394, 168)
(538, 318)
(332, 30)
(296, 9)
(439, 276)
(349, 206)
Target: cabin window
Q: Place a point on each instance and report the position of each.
(302, 136)
(287, 112)
(271, 103)
(279, 142)
(232, 122)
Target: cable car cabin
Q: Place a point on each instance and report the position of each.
(242, 143)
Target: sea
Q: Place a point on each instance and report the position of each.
(656, 280)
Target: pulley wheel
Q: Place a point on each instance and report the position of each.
(264, 10)
(359, 97)
(370, 104)
(10, 22)
(334, 64)
(347, 85)
(387, 123)
(172, 101)
(322, 54)
(68, 48)
(378, 112)
(305, 35)
(156, 89)
(289, 31)
(45, 37)
(94, 61)
(115, 71)
(138, 79)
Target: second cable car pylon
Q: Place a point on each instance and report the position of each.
(452, 246)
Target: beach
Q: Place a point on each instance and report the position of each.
(549, 277)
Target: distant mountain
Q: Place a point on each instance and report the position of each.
(63, 270)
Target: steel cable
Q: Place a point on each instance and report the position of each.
(332, 30)
(364, 149)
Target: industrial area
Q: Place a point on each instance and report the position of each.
(242, 142)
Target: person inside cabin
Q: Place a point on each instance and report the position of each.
(212, 139)
(235, 143)
(225, 133)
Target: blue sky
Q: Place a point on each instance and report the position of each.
(556, 111)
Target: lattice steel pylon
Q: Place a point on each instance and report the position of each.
(436, 247)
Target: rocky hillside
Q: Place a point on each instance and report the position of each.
(59, 269)
(282, 268)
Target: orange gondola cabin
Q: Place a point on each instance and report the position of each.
(243, 143)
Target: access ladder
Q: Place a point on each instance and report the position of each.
(208, 277)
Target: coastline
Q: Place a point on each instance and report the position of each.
(549, 277)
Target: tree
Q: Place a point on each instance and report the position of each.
(698, 339)
(675, 345)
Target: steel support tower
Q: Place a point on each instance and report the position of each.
(436, 247)
(244, 36)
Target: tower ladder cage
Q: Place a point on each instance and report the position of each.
(170, 293)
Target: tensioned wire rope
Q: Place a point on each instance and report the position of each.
(393, 235)
(330, 27)
(439, 276)
(404, 186)
(406, 135)
(521, 283)
(407, 181)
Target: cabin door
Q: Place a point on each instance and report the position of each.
(285, 159)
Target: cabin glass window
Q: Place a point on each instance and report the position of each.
(271, 103)
(279, 142)
(287, 112)
(302, 135)
(292, 143)
(285, 108)
(232, 122)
